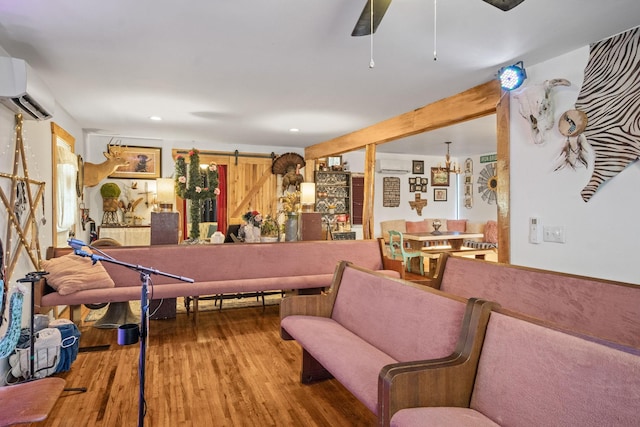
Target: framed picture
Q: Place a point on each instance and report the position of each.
(418, 167)
(334, 161)
(412, 188)
(424, 181)
(439, 177)
(144, 162)
(468, 166)
(439, 194)
(412, 180)
(424, 188)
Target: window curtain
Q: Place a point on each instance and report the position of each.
(222, 198)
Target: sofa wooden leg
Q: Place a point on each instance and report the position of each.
(75, 314)
(312, 370)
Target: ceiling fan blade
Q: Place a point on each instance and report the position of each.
(504, 5)
(363, 26)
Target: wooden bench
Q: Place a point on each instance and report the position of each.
(221, 269)
(29, 402)
(366, 321)
(519, 373)
(599, 308)
(433, 254)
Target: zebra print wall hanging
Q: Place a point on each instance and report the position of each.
(610, 97)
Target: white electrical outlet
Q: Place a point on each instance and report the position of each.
(535, 230)
(554, 234)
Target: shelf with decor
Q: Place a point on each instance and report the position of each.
(333, 194)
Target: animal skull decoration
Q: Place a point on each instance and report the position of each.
(536, 107)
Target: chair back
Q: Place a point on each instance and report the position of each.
(396, 244)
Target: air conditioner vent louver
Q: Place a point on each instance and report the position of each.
(31, 107)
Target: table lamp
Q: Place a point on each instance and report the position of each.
(308, 196)
(165, 194)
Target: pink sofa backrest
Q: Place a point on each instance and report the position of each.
(530, 375)
(599, 308)
(242, 261)
(405, 322)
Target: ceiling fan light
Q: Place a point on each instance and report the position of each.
(512, 76)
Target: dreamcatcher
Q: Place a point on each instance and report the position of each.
(571, 124)
(488, 183)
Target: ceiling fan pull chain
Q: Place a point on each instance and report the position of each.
(371, 62)
(435, 33)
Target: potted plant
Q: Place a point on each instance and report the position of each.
(269, 230)
(110, 193)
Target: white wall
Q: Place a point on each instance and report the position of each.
(452, 208)
(602, 235)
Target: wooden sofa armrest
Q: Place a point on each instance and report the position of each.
(439, 382)
(389, 263)
(320, 305)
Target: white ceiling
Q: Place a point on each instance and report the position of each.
(245, 71)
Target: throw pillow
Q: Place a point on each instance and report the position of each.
(475, 227)
(417, 226)
(457, 225)
(71, 273)
(491, 232)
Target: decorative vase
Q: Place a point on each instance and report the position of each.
(291, 228)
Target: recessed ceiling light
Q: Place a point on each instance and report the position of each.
(155, 118)
(294, 130)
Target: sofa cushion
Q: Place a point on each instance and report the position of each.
(417, 226)
(71, 273)
(441, 417)
(491, 232)
(475, 227)
(395, 224)
(457, 225)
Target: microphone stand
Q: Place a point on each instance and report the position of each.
(145, 272)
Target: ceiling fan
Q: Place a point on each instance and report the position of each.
(363, 26)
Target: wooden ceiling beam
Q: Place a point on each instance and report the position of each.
(476, 102)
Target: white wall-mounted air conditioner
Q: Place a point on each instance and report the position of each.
(23, 92)
(392, 166)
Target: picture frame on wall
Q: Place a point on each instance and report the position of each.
(418, 167)
(439, 194)
(412, 180)
(424, 181)
(144, 162)
(412, 188)
(423, 188)
(439, 177)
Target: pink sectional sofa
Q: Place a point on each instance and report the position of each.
(220, 269)
(519, 373)
(366, 321)
(599, 308)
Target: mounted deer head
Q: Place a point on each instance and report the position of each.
(94, 173)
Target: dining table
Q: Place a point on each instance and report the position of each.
(455, 238)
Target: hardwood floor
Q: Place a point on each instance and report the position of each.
(233, 370)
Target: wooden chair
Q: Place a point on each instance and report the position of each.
(397, 250)
(29, 402)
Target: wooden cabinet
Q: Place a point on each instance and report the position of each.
(333, 189)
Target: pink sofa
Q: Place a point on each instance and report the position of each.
(519, 373)
(599, 308)
(366, 321)
(220, 269)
